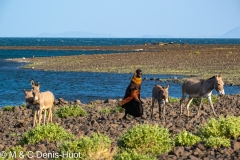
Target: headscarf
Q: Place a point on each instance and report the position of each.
(136, 80)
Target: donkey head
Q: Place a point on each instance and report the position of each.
(35, 87)
(164, 93)
(219, 84)
(28, 97)
(35, 91)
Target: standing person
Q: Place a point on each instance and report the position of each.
(131, 101)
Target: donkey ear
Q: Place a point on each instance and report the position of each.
(38, 84)
(24, 91)
(220, 75)
(159, 87)
(32, 83)
(167, 86)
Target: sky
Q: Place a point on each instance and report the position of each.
(119, 18)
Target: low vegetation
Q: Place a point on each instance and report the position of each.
(217, 142)
(108, 110)
(218, 132)
(50, 132)
(8, 108)
(97, 146)
(133, 155)
(186, 139)
(73, 110)
(147, 140)
(197, 52)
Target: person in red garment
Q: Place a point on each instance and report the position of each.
(131, 101)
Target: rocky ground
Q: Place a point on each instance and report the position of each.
(202, 61)
(18, 121)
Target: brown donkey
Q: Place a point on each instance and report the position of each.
(201, 88)
(43, 101)
(30, 104)
(160, 94)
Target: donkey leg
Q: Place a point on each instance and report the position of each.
(35, 117)
(44, 118)
(163, 114)
(181, 101)
(153, 100)
(188, 104)
(40, 116)
(200, 104)
(160, 109)
(51, 115)
(210, 101)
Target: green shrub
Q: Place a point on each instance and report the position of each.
(105, 110)
(195, 101)
(147, 139)
(24, 105)
(173, 100)
(218, 132)
(197, 52)
(223, 127)
(217, 142)
(50, 132)
(72, 110)
(8, 108)
(132, 155)
(97, 146)
(117, 109)
(91, 106)
(186, 139)
(229, 52)
(108, 110)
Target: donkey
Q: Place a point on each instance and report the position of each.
(43, 101)
(30, 104)
(28, 98)
(160, 94)
(201, 88)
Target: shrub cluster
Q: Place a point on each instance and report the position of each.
(108, 110)
(8, 108)
(217, 142)
(133, 155)
(97, 146)
(186, 139)
(72, 110)
(218, 132)
(173, 100)
(147, 140)
(50, 132)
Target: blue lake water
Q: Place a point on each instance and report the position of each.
(85, 86)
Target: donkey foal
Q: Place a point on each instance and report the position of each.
(160, 94)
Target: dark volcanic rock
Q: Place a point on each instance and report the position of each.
(12, 126)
